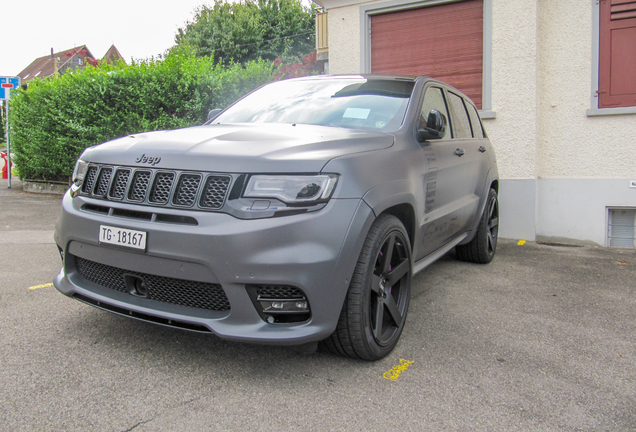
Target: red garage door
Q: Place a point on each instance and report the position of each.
(444, 42)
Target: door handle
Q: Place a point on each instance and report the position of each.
(482, 149)
(460, 152)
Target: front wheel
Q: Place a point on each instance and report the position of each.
(377, 302)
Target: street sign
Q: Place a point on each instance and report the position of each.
(6, 85)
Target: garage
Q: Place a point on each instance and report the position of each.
(442, 41)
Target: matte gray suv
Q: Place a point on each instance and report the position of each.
(298, 214)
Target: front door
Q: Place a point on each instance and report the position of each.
(456, 172)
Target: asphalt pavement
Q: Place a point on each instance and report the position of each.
(541, 339)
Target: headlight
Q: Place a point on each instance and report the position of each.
(292, 188)
(80, 171)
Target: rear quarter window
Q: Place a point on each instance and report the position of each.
(475, 122)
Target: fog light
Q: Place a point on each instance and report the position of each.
(284, 306)
(280, 304)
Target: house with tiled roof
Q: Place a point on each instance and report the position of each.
(62, 61)
(112, 55)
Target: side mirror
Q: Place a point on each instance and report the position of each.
(435, 127)
(213, 113)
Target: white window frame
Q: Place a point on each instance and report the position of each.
(368, 10)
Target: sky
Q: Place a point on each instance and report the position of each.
(139, 29)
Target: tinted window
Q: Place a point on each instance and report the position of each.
(350, 102)
(434, 99)
(475, 122)
(460, 117)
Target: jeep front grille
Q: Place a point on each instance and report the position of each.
(89, 180)
(155, 187)
(201, 295)
(187, 189)
(118, 188)
(139, 186)
(102, 181)
(161, 188)
(214, 192)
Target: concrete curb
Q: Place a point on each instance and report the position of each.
(43, 187)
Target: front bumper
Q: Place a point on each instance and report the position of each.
(315, 252)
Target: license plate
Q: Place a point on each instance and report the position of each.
(122, 237)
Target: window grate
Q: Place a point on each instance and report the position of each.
(622, 228)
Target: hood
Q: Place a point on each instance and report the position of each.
(244, 148)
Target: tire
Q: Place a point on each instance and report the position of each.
(483, 246)
(375, 309)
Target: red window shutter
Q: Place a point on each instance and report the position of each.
(617, 54)
(444, 42)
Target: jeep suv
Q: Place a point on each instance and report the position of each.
(298, 214)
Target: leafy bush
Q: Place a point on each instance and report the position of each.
(56, 119)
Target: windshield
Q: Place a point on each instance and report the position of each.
(377, 104)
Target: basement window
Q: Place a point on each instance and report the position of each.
(621, 230)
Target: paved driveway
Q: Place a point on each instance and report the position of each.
(542, 339)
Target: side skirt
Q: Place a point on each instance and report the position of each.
(434, 256)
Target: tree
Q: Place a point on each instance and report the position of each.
(250, 30)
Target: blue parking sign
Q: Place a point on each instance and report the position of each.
(7, 84)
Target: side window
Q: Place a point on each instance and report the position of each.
(475, 122)
(460, 116)
(434, 99)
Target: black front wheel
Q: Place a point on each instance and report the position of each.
(377, 302)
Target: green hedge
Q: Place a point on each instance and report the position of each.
(56, 119)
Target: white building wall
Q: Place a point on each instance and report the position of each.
(344, 40)
(514, 87)
(571, 144)
(584, 163)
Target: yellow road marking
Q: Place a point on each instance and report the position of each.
(394, 373)
(521, 242)
(40, 286)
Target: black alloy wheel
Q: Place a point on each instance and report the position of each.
(376, 306)
(492, 224)
(483, 246)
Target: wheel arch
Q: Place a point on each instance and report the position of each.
(495, 185)
(406, 214)
(397, 200)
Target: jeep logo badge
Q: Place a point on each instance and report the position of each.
(148, 159)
